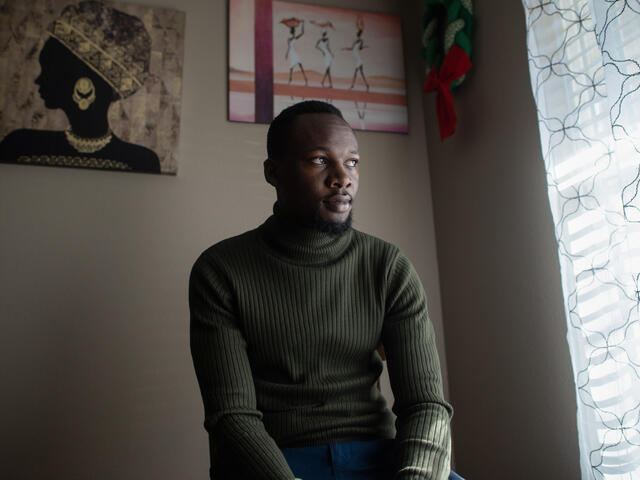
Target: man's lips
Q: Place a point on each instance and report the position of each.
(338, 203)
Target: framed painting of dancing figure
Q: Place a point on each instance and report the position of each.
(283, 52)
(90, 84)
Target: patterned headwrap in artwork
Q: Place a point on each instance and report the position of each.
(115, 45)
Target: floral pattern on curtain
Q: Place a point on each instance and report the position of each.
(584, 59)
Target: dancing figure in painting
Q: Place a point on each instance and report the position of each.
(358, 45)
(362, 112)
(323, 45)
(292, 55)
(95, 55)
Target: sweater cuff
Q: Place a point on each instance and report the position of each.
(423, 444)
(255, 453)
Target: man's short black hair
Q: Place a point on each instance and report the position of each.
(281, 125)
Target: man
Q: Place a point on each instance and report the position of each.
(286, 320)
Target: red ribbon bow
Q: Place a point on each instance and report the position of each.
(456, 63)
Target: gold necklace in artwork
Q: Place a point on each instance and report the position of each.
(88, 145)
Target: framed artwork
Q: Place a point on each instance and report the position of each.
(281, 53)
(90, 84)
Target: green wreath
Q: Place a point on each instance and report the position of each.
(447, 50)
(446, 23)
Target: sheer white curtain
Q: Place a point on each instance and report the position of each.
(584, 58)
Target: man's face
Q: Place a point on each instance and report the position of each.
(317, 180)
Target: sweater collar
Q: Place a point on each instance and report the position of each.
(301, 244)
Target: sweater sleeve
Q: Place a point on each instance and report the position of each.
(422, 448)
(240, 445)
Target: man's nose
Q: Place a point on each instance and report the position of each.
(338, 177)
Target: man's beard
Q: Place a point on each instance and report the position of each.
(332, 228)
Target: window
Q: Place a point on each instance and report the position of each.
(584, 58)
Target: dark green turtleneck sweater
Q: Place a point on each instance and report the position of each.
(285, 323)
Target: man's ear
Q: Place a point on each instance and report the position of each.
(270, 172)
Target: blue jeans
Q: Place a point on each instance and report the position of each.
(371, 460)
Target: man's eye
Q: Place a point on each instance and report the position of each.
(352, 162)
(319, 160)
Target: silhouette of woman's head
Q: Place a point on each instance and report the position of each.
(96, 54)
(65, 81)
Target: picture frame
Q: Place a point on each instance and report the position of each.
(281, 53)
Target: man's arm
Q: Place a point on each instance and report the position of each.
(423, 434)
(221, 362)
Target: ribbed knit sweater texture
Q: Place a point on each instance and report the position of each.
(285, 325)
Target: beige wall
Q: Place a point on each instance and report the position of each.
(95, 369)
(508, 359)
